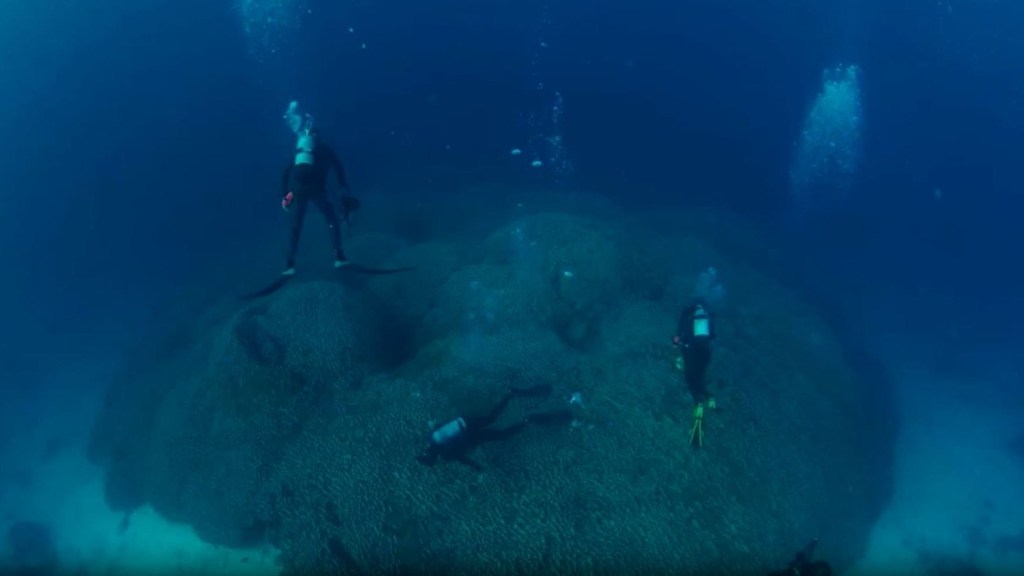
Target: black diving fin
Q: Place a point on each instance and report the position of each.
(360, 269)
(559, 417)
(535, 391)
(280, 282)
(270, 289)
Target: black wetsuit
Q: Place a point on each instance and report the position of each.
(308, 182)
(696, 351)
(468, 432)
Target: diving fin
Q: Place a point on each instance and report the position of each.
(273, 287)
(560, 417)
(533, 391)
(280, 282)
(360, 269)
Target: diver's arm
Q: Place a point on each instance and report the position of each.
(461, 457)
(286, 195)
(682, 333)
(428, 457)
(286, 180)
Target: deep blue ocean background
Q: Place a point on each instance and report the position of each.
(141, 145)
(155, 123)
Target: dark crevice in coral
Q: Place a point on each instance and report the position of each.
(259, 343)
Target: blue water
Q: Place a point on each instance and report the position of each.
(141, 145)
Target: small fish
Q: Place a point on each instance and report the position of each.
(516, 152)
(536, 163)
(576, 399)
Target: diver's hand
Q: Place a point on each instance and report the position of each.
(350, 203)
(287, 201)
(427, 457)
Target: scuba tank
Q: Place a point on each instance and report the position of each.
(301, 124)
(448, 432)
(304, 149)
(701, 323)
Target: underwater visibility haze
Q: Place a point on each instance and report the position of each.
(306, 286)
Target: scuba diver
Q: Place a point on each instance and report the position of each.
(693, 337)
(801, 565)
(453, 441)
(305, 181)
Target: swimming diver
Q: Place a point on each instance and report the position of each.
(693, 337)
(453, 440)
(305, 181)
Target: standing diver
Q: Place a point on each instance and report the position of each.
(693, 337)
(452, 441)
(305, 181)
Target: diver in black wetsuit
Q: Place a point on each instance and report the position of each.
(452, 441)
(305, 181)
(801, 565)
(693, 337)
(694, 334)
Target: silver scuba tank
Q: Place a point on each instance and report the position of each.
(304, 149)
(448, 432)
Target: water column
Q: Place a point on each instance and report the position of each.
(545, 149)
(828, 152)
(268, 23)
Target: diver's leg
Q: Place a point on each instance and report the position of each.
(481, 422)
(533, 391)
(494, 435)
(695, 384)
(298, 216)
(695, 367)
(332, 223)
(556, 417)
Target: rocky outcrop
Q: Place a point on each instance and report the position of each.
(291, 422)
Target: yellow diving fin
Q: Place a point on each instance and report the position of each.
(697, 432)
